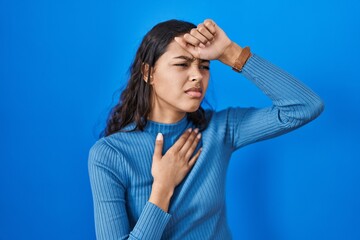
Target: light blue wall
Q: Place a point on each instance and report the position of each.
(62, 61)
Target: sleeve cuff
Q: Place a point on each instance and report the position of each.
(151, 223)
(254, 65)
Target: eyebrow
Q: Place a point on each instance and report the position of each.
(190, 59)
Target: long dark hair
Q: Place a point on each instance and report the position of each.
(134, 104)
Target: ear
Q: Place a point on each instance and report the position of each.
(146, 72)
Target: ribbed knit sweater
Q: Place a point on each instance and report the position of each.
(120, 164)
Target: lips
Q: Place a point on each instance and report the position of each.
(194, 92)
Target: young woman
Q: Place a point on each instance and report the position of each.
(159, 172)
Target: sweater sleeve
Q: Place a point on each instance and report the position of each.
(108, 184)
(293, 105)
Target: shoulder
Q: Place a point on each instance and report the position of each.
(117, 146)
(103, 151)
(110, 144)
(101, 147)
(106, 158)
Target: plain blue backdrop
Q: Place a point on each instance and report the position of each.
(63, 62)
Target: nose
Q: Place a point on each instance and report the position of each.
(195, 74)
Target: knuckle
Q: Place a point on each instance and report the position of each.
(192, 148)
(187, 36)
(193, 31)
(183, 137)
(171, 153)
(175, 152)
(191, 137)
(208, 22)
(195, 143)
(196, 41)
(201, 28)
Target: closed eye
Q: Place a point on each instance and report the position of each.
(181, 64)
(184, 65)
(205, 67)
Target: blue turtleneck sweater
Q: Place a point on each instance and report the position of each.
(120, 164)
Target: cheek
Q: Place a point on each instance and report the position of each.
(171, 84)
(206, 82)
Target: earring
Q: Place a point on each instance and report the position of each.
(145, 79)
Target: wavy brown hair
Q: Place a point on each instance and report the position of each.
(134, 104)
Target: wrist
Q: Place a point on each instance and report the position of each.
(161, 195)
(230, 54)
(163, 189)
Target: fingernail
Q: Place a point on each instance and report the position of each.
(202, 45)
(199, 136)
(159, 137)
(196, 130)
(189, 130)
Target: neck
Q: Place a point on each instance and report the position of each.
(164, 116)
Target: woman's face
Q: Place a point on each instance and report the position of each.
(179, 82)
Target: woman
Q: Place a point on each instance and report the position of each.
(160, 170)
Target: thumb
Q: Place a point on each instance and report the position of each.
(158, 146)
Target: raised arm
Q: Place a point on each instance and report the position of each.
(293, 104)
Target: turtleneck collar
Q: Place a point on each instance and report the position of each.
(168, 128)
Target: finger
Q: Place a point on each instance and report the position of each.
(193, 146)
(191, 39)
(203, 30)
(181, 42)
(158, 146)
(181, 141)
(194, 158)
(187, 145)
(195, 33)
(188, 47)
(210, 25)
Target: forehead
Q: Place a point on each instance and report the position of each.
(174, 50)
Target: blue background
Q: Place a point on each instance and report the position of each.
(62, 63)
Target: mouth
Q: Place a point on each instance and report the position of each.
(194, 92)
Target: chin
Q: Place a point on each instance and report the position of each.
(193, 109)
(190, 106)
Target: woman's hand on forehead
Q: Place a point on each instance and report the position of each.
(208, 41)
